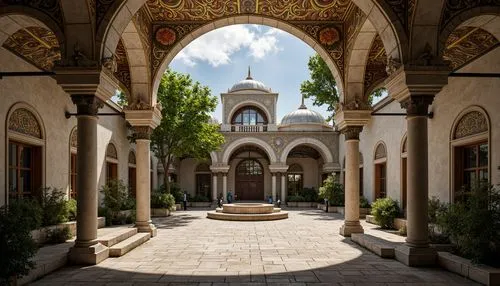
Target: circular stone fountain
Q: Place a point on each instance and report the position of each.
(247, 212)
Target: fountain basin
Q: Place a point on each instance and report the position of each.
(247, 212)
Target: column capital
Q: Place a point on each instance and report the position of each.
(417, 105)
(142, 132)
(219, 168)
(146, 117)
(278, 168)
(86, 80)
(417, 81)
(345, 118)
(352, 132)
(86, 104)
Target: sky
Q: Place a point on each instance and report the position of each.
(220, 58)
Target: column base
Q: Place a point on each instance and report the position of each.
(147, 227)
(350, 227)
(88, 255)
(416, 256)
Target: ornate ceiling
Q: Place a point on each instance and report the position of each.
(467, 43)
(375, 66)
(122, 72)
(37, 45)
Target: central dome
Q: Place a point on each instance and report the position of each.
(249, 84)
(303, 115)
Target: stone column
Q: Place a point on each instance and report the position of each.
(224, 184)
(143, 180)
(416, 251)
(87, 250)
(273, 187)
(351, 221)
(283, 188)
(214, 184)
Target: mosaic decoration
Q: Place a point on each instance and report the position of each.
(191, 10)
(36, 45)
(123, 70)
(24, 121)
(73, 140)
(49, 7)
(111, 151)
(380, 152)
(467, 43)
(453, 8)
(471, 123)
(131, 158)
(375, 70)
(310, 10)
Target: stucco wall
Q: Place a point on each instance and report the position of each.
(459, 94)
(310, 167)
(50, 101)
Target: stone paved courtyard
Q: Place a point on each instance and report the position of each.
(305, 249)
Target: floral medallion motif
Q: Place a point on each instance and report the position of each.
(329, 36)
(165, 36)
(23, 121)
(471, 123)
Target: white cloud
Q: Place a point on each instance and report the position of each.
(217, 47)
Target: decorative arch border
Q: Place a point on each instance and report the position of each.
(486, 135)
(323, 149)
(213, 157)
(41, 142)
(383, 159)
(248, 102)
(248, 141)
(463, 18)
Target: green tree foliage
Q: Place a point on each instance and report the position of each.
(185, 128)
(322, 86)
(333, 191)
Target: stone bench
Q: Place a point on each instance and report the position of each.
(382, 248)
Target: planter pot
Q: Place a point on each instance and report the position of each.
(178, 207)
(481, 273)
(40, 235)
(364, 211)
(301, 204)
(399, 223)
(160, 212)
(339, 209)
(200, 204)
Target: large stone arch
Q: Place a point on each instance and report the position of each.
(248, 103)
(248, 141)
(140, 72)
(315, 143)
(358, 58)
(254, 19)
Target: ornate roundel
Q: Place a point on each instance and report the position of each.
(278, 142)
(165, 36)
(329, 36)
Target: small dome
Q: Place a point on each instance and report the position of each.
(249, 83)
(303, 115)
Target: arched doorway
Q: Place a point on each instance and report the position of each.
(249, 180)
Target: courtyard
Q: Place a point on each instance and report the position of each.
(305, 249)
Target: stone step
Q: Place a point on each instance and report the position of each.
(128, 244)
(382, 248)
(117, 236)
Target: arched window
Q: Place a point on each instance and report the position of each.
(25, 151)
(249, 168)
(380, 161)
(404, 174)
(470, 143)
(203, 180)
(111, 163)
(249, 115)
(73, 140)
(295, 179)
(132, 180)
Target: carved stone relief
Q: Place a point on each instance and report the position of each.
(25, 122)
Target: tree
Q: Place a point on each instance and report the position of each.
(185, 128)
(322, 86)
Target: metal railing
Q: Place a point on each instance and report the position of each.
(248, 128)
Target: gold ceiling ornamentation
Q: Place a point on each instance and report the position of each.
(192, 10)
(352, 25)
(25, 122)
(122, 72)
(51, 8)
(309, 10)
(375, 70)
(143, 23)
(471, 123)
(36, 45)
(453, 8)
(467, 43)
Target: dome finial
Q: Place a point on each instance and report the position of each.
(249, 75)
(302, 106)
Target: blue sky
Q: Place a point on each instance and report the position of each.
(221, 58)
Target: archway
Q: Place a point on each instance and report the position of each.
(249, 180)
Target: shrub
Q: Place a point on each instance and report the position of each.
(402, 230)
(296, 199)
(200, 198)
(436, 209)
(115, 195)
(28, 212)
(473, 225)
(309, 194)
(59, 235)
(162, 200)
(363, 203)
(17, 248)
(333, 191)
(71, 205)
(54, 205)
(384, 211)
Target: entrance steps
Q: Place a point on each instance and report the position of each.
(121, 240)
